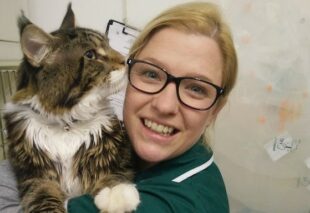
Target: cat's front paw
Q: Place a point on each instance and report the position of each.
(118, 199)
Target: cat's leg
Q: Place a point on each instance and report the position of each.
(120, 198)
(39, 195)
(37, 179)
(105, 171)
(113, 191)
(116, 195)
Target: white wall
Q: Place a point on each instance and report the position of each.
(9, 49)
(48, 15)
(271, 98)
(91, 13)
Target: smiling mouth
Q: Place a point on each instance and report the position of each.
(159, 128)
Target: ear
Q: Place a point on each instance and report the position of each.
(35, 44)
(217, 108)
(22, 22)
(69, 19)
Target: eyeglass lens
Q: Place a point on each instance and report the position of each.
(151, 79)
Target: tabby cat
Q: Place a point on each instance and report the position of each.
(64, 139)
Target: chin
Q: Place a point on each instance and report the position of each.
(151, 155)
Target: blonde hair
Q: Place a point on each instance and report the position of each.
(201, 18)
(196, 17)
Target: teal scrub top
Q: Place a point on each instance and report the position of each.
(189, 183)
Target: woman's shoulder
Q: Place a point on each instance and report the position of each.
(202, 192)
(209, 187)
(186, 184)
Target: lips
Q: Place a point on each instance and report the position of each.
(159, 128)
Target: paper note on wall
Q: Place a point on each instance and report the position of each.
(281, 146)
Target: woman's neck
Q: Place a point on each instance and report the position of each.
(143, 165)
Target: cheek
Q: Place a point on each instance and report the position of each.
(134, 100)
(198, 121)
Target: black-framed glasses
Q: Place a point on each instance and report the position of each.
(193, 92)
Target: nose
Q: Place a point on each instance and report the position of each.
(166, 102)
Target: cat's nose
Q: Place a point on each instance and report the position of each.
(118, 61)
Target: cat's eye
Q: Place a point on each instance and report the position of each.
(90, 54)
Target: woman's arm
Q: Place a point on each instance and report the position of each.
(154, 199)
(203, 192)
(9, 199)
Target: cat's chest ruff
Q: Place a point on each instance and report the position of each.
(61, 136)
(62, 140)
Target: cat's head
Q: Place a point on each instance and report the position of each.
(62, 68)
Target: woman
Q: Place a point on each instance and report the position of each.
(181, 70)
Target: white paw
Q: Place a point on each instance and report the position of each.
(118, 199)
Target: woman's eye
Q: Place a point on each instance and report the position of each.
(151, 74)
(197, 91)
(90, 54)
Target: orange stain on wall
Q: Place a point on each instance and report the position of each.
(262, 120)
(247, 7)
(269, 88)
(288, 112)
(246, 39)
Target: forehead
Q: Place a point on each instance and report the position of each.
(185, 54)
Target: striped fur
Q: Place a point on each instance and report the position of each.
(64, 139)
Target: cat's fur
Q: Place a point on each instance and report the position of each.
(64, 139)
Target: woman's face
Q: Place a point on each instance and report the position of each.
(181, 54)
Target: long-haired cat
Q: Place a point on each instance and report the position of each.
(64, 139)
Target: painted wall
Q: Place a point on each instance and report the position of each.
(9, 38)
(261, 140)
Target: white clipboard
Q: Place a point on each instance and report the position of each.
(121, 36)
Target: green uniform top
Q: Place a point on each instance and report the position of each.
(189, 183)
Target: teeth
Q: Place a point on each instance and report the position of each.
(159, 128)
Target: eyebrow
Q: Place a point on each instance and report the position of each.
(201, 77)
(154, 61)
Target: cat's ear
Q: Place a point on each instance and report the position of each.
(69, 19)
(22, 22)
(35, 44)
